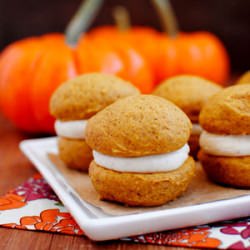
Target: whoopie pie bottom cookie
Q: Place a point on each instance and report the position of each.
(233, 171)
(137, 189)
(76, 154)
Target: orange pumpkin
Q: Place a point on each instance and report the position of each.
(119, 58)
(31, 69)
(197, 53)
(142, 39)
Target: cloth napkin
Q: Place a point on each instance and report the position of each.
(34, 206)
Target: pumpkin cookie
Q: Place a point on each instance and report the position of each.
(73, 103)
(225, 140)
(140, 151)
(189, 93)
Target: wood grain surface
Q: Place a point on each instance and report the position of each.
(14, 170)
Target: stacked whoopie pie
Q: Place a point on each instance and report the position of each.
(190, 93)
(140, 151)
(73, 103)
(225, 140)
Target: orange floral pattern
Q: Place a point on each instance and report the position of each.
(11, 201)
(49, 220)
(199, 237)
(194, 237)
(53, 217)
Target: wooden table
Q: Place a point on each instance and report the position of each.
(14, 170)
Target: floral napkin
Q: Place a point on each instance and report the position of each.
(34, 206)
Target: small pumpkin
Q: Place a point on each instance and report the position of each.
(141, 39)
(30, 70)
(120, 58)
(197, 53)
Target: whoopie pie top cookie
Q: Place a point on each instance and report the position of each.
(188, 92)
(228, 112)
(138, 126)
(83, 96)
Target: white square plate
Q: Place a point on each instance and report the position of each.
(100, 226)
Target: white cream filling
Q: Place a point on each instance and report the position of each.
(196, 129)
(225, 145)
(145, 164)
(71, 129)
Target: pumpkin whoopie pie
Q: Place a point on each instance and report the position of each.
(140, 151)
(225, 140)
(73, 103)
(189, 93)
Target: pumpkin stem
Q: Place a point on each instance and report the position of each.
(81, 21)
(122, 18)
(167, 16)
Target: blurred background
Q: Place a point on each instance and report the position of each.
(228, 19)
